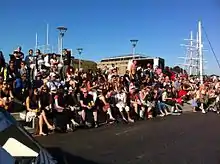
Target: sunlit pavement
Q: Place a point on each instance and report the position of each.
(189, 138)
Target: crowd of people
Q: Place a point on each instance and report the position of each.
(63, 97)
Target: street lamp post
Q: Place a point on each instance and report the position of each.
(79, 52)
(62, 30)
(134, 43)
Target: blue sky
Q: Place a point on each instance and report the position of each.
(104, 27)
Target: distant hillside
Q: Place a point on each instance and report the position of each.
(85, 64)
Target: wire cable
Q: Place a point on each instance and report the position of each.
(210, 44)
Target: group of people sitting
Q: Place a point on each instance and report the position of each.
(62, 98)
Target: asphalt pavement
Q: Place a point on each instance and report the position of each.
(192, 138)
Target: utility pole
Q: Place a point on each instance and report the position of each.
(133, 43)
(47, 40)
(191, 53)
(62, 31)
(79, 52)
(46, 47)
(36, 42)
(200, 52)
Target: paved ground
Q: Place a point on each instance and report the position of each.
(190, 138)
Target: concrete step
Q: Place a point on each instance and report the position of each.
(187, 107)
(17, 116)
(29, 129)
(22, 122)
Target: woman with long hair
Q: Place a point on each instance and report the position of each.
(69, 73)
(2, 63)
(61, 117)
(2, 102)
(33, 106)
(6, 95)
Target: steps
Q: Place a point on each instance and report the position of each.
(187, 107)
(21, 122)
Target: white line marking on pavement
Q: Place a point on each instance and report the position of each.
(126, 131)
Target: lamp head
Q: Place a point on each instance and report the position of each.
(134, 42)
(79, 50)
(62, 29)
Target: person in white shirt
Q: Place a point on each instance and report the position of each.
(121, 104)
(53, 84)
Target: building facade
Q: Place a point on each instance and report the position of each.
(121, 62)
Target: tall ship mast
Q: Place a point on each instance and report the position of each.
(194, 59)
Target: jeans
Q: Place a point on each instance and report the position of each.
(160, 106)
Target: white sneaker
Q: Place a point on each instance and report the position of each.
(161, 115)
(150, 116)
(74, 123)
(125, 120)
(131, 120)
(141, 114)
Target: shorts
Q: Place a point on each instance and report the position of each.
(93, 109)
(121, 106)
(194, 103)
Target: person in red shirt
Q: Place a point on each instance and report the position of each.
(182, 95)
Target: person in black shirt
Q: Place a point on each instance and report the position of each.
(18, 56)
(2, 64)
(33, 105)
(30, 63)
(45, 99)
(87, 104)
(11, 73)
(72, 105)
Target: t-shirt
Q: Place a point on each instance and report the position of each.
(18, 84)
(164, 96)
(60, 99)
(86, 100)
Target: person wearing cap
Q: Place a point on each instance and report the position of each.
(135, 101)
(53, 84)
(39, 59)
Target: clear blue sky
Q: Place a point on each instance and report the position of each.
(104, 27)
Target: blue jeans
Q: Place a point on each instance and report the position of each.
(160, 106)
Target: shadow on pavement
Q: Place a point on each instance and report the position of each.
(67, 158)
